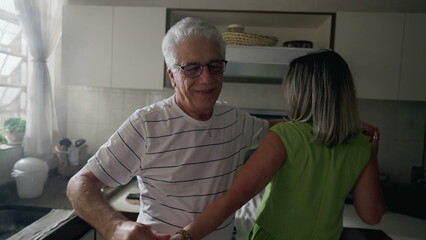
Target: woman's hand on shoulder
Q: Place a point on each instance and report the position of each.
(369, 130)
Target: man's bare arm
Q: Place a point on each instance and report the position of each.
(84, 192)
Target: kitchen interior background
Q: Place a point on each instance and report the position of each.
(95, 113)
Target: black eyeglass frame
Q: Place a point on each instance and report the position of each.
(201, 66)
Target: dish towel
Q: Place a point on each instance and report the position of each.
(41, 228)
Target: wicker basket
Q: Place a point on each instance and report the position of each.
(66, 170)
(248, 39)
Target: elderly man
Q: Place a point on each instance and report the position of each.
(184, 150)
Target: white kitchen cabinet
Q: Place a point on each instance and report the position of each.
(120, 47)
(371, 44)
(413, 71)
(99, 236)
(86, 45)
(137, 57)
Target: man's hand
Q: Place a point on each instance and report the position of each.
(129, 230)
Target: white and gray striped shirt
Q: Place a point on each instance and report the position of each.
(181, 164)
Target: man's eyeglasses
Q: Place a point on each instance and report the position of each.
(194, 70)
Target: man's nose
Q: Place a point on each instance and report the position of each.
(206, 76)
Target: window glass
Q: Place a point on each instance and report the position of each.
(8, 6)
(13, 67)
(8, 31)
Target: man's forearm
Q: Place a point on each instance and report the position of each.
(89, 202)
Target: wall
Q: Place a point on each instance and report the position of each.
(95, 113)
(402, 129)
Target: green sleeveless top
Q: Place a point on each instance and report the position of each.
(305, 199)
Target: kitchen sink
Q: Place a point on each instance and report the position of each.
(14, 218)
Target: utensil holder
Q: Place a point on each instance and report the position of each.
(65, 168)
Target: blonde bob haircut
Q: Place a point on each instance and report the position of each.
(319, 89)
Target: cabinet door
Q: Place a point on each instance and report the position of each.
(137, 57)
(413, 70)
(99, 236)
(87, 45)
(371, 44)
(90, 235)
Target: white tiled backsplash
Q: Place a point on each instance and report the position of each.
(95, 113)
(402, 128)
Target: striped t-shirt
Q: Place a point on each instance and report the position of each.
(181, 164)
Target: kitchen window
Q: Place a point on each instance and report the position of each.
(13, 64)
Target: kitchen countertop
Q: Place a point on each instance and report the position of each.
(395, 225)
(119, 202)
(53, 196)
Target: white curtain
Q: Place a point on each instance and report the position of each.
(41, 22)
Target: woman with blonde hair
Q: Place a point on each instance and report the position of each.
(309, 163)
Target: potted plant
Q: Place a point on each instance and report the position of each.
(2, 139)
(14, 130)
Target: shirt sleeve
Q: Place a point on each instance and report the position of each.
(120, 158)
(255, 129)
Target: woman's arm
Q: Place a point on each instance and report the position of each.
(252, 178)
(368, 195)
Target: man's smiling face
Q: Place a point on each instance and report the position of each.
(197, 96)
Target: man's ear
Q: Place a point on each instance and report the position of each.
(172, 77)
